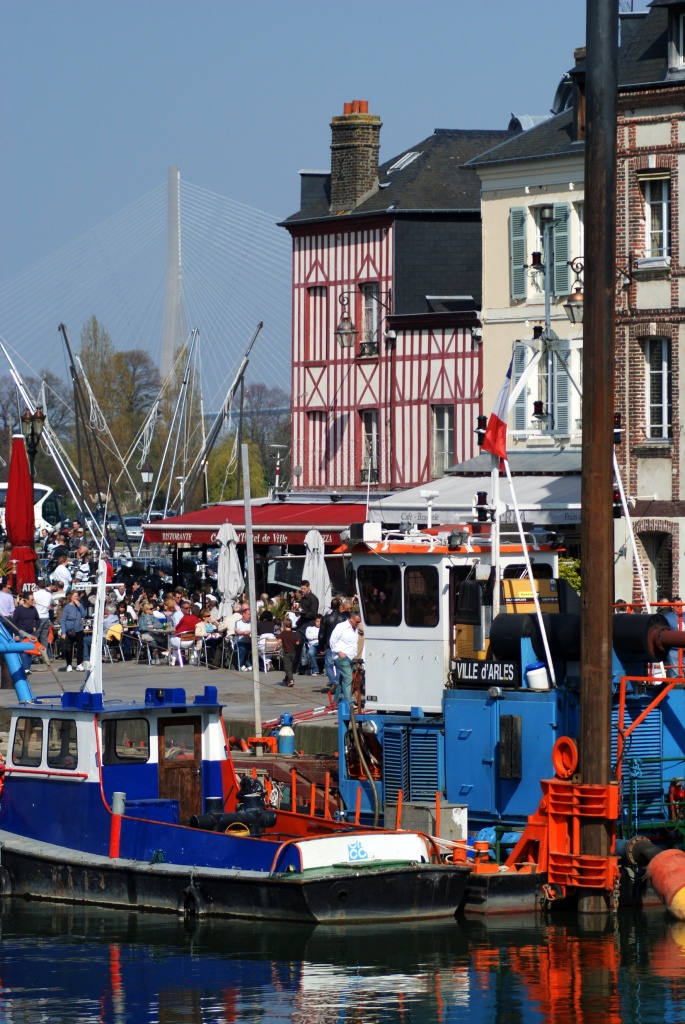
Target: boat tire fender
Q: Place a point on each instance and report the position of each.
(5, 882)
(194, 903)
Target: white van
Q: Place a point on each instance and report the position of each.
(45, 507)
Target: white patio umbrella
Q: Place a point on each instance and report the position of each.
(315, 570)
(229, 576)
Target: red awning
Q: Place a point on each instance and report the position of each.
(274, 522)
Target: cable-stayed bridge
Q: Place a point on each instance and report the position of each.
(148, 277)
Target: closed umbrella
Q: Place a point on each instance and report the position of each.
(229, 576)
(20, 522)
(315, 570)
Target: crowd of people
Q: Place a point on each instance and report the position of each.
(177, 624)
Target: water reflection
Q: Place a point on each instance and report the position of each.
(64, 964)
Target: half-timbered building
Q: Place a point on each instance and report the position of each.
(392, 255)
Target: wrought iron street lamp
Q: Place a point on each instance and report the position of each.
(32, 424)
(147, 474)
(346, 332)
(574, 306)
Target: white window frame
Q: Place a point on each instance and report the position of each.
(443, 439)
(658, 207)
(659, 376)
(369, 428)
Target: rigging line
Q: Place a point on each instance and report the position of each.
(189, 186)
(48, 433)
(190, 344)
(102, 425)
(157, 401)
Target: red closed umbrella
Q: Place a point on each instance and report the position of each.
(20, 521)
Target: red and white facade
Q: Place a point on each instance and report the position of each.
(398, 407)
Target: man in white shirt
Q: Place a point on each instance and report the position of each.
(62, 574)
(243, 640)
(344, 643)
(6, 598)
(43, 598)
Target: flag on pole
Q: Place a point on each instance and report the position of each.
(496, 433)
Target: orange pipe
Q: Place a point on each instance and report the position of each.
(437, 814)
(358, 809)
(666, 872)
(398, 813)
(327, 794)
(312, 798)
(293, 790)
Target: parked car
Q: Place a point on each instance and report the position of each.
(131, 527)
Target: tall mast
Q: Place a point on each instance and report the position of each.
(174, 332)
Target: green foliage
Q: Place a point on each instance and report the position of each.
(223, 488)
(569, 570)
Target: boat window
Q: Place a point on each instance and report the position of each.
(179, 741)
(62, 750)
(518, 571)
(27, 748)
(381, 594)
(421, 596)
(125, 740)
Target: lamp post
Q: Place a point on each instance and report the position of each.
(147, 475)
(32, 424)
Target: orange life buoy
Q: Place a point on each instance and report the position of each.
(238, 743)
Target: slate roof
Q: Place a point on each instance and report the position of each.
(436, 181)
(552, 138)
(642, 60)
(545, 462)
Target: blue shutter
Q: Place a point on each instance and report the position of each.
(561, 242)
(517, 251)
(562, 411)
(520, 360)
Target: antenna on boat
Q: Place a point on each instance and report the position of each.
(93, 683)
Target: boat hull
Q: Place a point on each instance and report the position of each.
(340, 894)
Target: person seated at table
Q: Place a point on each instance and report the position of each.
(184, 634)
(243, 640)
(147, 622)
(207, 630)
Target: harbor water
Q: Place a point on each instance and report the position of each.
(60, 963)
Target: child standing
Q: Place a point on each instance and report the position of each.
(290, 642)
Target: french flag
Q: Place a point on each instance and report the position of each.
(496, 433)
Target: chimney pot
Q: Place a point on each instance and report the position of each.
(347, 108)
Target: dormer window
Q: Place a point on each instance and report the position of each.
(676, 37)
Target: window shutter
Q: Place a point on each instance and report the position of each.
(561, 276)
(562, 395)
(520, 352)
(517, 251)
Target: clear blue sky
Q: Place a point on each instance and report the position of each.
(98, 97)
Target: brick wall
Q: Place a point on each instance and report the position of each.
(633, 325)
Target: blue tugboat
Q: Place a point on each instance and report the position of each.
(139, 806)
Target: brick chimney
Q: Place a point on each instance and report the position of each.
(355, 143)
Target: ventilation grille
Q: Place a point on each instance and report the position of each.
(395, 763)
(424, 760)
(643, 787)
